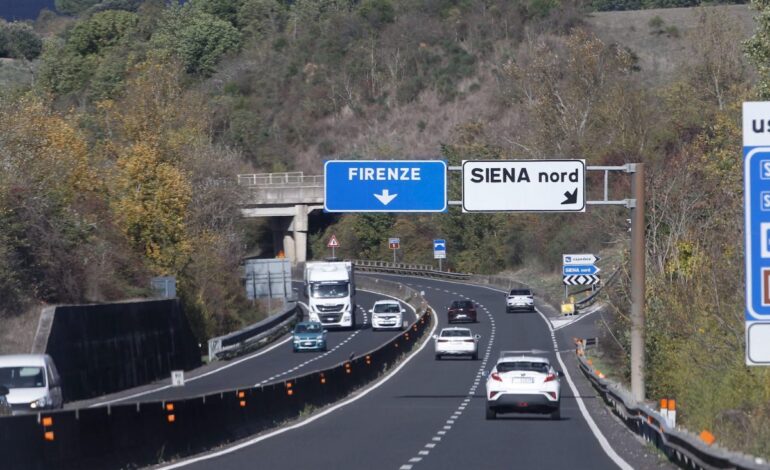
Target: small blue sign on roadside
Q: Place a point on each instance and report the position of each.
(579, 269)
(439, 249)
(385, 186)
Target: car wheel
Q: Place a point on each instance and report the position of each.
(491, 413)
(438, 357)
(295, 349)
(556, 414)
(475, 356)
(532, 309)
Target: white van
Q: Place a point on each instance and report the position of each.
(33, 382)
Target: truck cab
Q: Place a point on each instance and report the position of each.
(330, 289)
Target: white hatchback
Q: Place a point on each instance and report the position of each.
(456, 342)
(521, 383)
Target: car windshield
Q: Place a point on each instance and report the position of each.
(330, 291)
(462, 304)
(455, 333)
(387, 308)
(22, 377)
(523, 366)
(521, 292)
(307, 328)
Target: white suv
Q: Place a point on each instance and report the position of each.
(387, 314)
(522, 383)
(520, 299)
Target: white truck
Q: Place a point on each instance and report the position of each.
(331, 291)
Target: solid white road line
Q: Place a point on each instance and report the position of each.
(311, 419)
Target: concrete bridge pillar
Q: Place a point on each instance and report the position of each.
(300, 233)
(290, 234)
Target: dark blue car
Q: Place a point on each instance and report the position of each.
(309, 336)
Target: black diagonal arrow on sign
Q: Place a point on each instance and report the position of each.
(581, 279)
(571, 197)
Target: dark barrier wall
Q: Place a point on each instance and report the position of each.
(135, 435)
(105, 348)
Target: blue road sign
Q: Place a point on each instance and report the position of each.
(579, 269)
(385, 186)
(439, 249)
(756, 191)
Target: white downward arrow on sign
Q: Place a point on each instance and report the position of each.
(385, 197)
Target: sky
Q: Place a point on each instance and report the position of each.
(11, 10)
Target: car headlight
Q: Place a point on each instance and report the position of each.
(319, 338)
(39, 403)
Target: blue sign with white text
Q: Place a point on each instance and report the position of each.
(579, 269)
(756, 169)
(385, 186)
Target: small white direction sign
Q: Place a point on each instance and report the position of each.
(579, 259)
(177, 378)
(524, 186)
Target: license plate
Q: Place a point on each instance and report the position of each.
(522, 380)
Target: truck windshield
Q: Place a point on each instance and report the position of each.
(330, 291)
(22, 377)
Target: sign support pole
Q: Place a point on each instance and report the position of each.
(637, 283)
(394, 256)
(439, 264)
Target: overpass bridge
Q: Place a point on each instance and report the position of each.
(286, 199)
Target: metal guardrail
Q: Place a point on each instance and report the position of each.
(408, 269)
(588, 301)
(680, 446)
(254, 336)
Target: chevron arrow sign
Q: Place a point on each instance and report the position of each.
(581, 280)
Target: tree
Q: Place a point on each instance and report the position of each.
(100, 31)
(197, 38)
(757, 47)
(19, 41)
(150, 199)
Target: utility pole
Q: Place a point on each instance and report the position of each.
(637, 282)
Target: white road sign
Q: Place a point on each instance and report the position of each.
(579, 259)
(524, 186)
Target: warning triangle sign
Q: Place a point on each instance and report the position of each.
(333, 243)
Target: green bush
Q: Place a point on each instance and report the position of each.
(19, 41)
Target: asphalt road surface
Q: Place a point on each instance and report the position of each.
(430, 414)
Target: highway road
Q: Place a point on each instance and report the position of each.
(276, 362)
(430, 414)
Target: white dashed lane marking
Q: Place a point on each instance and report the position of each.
(457, 413)
(330, 351)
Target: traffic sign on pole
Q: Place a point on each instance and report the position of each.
(439, 249)
(524, 186)
(385, 186)
(756, 180)
(579, 269)
(579, 259)
(581, 280)
(333, 244)
(394, 243)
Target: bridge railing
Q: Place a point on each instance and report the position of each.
(294, 178)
